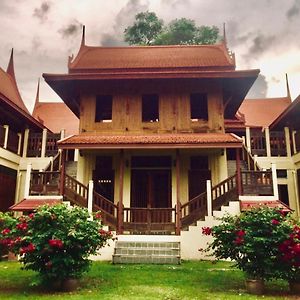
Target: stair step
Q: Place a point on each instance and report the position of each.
(138, 259)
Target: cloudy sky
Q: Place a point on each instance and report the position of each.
(263, 34)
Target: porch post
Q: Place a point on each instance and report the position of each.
(44, 143)
(268, 143)
(248, 139)
(275, 182)
(19, 143)
(25, 144)
(62, 172)
(178, 203)
(120, 203)
(287, 141)
(238, 172)
(90, 197)
(27, 181)
(294, 142)
(6, 127)
(209, 198)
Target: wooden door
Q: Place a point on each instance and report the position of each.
(197, 182)
(7, 188)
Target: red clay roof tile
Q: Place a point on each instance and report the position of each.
(32, 204)
(152, 57)
(196, 139)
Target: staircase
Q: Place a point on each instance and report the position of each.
(145, 249)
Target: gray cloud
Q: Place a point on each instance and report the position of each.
(43, 11)
(124, 18)
(294, 10)
(259, 88)
(175, 3)
(71, 29)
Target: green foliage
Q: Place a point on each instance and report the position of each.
(252, 240)
(144, 30)
(148, 30)
(56, 241)
(7, 224)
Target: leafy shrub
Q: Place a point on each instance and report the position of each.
(56, 241)
(253, 240)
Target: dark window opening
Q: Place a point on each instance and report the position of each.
(199, 106)
(199, 163)
(103, 108)
(150, 108)
(283, 194)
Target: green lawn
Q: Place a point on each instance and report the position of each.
(190, 280)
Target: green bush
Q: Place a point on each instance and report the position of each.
(56, 241)
(252, 240)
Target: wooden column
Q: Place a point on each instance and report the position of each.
(238, 172)
(120, 228)
(178, 203)
(62, 172)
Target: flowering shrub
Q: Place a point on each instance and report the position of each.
(7, 224)
(56, 241)
(254, 240)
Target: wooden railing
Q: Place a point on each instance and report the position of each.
(34, 144)
(249, 159)
(75, 191)
(224, 192)
(194, 210)
(2, 136)
(258, 143)
(44, 183)
(55, 164)
(149, 219)
(51, 144)
(277, 143)
(12, 141)
(258, 183)
(109, 210)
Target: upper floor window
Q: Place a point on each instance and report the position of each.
(199, 106)
(103, 108)
(150, 108)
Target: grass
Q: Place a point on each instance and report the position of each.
(190, 280)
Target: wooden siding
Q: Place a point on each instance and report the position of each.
(174, 108)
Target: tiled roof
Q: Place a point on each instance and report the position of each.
(9, 89)
(152, 57)
(56, 116)
(203, 140)
(32, 204)
(246, 205)
(262, 112)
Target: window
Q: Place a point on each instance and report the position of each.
(150, 110)
(199, 106)
(103, 108)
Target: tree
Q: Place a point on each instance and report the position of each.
(144, 30)
(178, 32)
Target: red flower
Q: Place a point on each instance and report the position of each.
(31, 216)
(98, 215)
(48, 264)
(239, 241)
(27, 249)
(206, 230)
(22, 226)
(296, 248)
(6, 242)
(275, 222)
(5, 231)
(240, 233)
(56, 243)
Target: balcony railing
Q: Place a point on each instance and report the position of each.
(277, 143)
(35, 142)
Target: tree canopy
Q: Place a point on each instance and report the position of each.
(147, 29)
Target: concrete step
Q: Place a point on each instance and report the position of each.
(148, 252)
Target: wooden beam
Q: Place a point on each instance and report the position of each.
(62, 173)
(120, 203)
(238, 172)
(178, 203)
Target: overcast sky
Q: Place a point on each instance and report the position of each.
(263, 34)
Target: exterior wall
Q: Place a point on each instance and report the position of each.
(174, 108)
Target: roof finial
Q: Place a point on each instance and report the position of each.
(10, 68)
(224, 34)
(287, 86)
(37, 97)
(83, 37)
